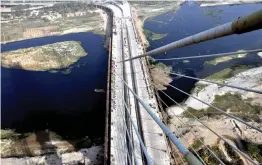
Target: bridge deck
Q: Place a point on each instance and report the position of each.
(125, 45)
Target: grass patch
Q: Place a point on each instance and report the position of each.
(253, 149)
(231, 153)
(205, 155)
(228, 72)
(195, 112)
(64, 27)
(237, 106)
(9, 134)
(221, 75)
(232, 102)
(197, 143)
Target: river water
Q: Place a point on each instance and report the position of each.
(64, 103)
(191, 19)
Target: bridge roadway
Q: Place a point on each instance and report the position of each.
(125, 44)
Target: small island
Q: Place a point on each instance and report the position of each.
(186, 61)
(226, 58)
(154, 36)
(42, 58)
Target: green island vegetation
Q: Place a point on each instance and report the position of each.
(229, 72)
(232, 102)
(36, 143)
(153, 36)
(219, 60)
(43, 58)
(186, 61)
(157, 36)
(197, 143)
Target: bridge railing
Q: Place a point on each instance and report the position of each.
(239, 26)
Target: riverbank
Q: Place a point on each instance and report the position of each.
(89, 156)
(142, 11)
(243, 104)
(38, 145)
(52, 56)
(59, 19)
(244, 77)
(228, 2)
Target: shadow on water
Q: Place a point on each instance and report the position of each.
(66, 104)
(72, 125)
(44, 113)
(182, 83)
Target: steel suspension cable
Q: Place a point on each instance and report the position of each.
(218, 109)
(126, 130)
(241, 25)
(203, 162)
(222, 84)
(205, 125)
(193, 133)
(149, 159)
(128, 135)
(188, 155)
(123, 144)
(210, 55)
